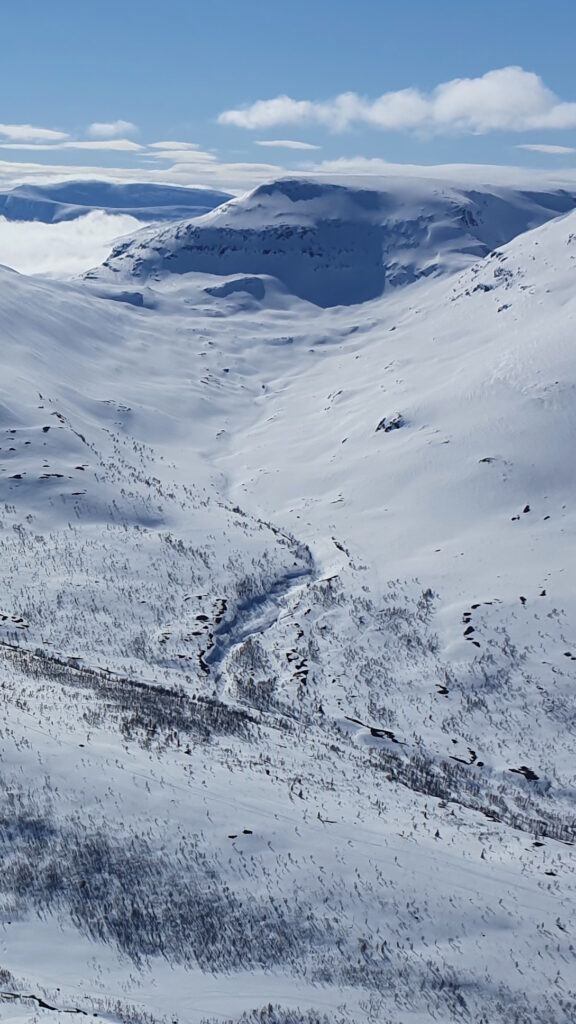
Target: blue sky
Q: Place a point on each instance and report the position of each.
(202, 74)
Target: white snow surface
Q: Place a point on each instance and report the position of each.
(287, 622)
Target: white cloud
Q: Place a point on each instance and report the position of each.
(117, 145)
(120, 145)
(507, 99)
(70, 247)
(541, 147)
(112, 129)
(269, 113)
(237, 177)
(180, 155)
(37, 147)
(363, 168)
(211, 173)
(28, 133)
(286, 144)
(183, 146)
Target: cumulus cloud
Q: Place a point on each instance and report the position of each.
(111, 129)
(28, 133)
(542, 147)
(69, 247)
(507, 99)
(286, 144)
(270, 113)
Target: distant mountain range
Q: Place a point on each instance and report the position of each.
(69, 200)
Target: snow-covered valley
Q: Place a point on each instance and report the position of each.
(287, 621)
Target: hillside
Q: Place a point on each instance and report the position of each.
(287, 629)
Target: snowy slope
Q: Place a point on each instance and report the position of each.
(71, 199)
(335, 244)
(288, 644)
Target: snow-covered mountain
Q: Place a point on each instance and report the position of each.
(287, 629)
(335, 244)
(69, 200)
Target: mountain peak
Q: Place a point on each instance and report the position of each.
(336, 243)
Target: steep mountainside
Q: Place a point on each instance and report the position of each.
(341, 244)
(288, 635)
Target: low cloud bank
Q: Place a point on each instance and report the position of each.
(59, 250)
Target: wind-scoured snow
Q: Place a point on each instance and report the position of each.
(287, 625)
